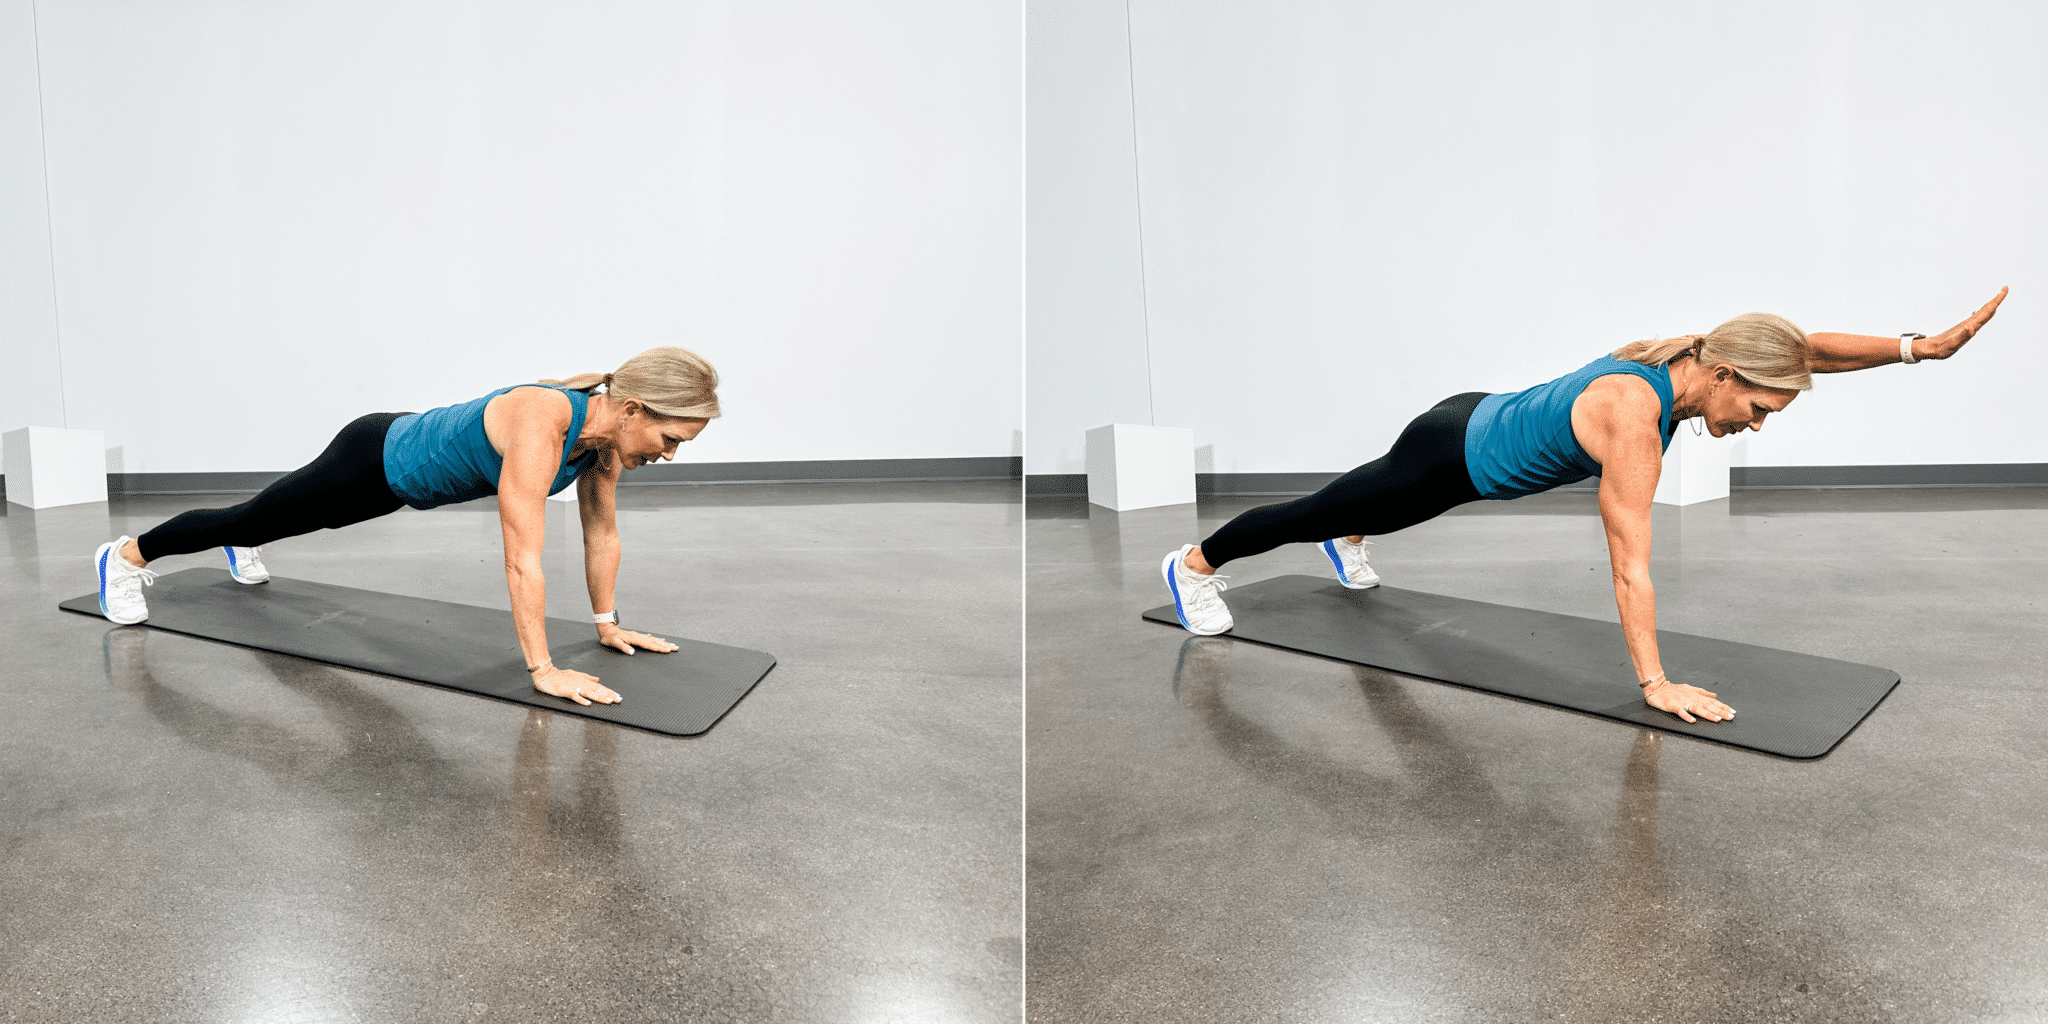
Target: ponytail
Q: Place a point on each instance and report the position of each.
(1765, 350)
(671, 382)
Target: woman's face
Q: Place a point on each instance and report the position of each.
(645, 437)
(1734, 405)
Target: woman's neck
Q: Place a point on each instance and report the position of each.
(1687, 398)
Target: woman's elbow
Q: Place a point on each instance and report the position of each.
(1632, 579)
(522, 566)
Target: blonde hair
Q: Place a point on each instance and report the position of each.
(672, 382)
(1766, 351)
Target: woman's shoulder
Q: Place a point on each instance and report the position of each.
(535, 407)
(1621, 393)
(535, 398)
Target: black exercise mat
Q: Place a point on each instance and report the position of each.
(1791, 705)
(458, 646)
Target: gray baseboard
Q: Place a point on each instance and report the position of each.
(1741, 478)
(1076, 484)
(1982, 474)
(994, 467)
(998, 467)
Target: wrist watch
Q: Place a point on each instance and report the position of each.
(1906, 347)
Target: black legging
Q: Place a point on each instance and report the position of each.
(344, 486)
(1423, 477)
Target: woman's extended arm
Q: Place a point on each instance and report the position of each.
(597, 504)
(1840, 353)
(1616, 420)
(528, 430)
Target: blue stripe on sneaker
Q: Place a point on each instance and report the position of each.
(1330, 549)
(103, 577)
(1173, 584)
(232, 568)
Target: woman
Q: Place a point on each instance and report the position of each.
(1613, 417)
(521, 443)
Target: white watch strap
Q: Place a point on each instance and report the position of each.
(610, 616)
(1906, 347)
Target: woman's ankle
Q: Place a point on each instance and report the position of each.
(131, 553)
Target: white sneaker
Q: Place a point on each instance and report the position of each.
(1196, 598)
(1350, 559)
(121, 584)
(246, 565)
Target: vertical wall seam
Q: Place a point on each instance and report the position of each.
(49, 218)
(1138, 200)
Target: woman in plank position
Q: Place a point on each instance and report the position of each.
(1613, 417)
(521, 443)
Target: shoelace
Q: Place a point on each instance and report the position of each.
(147, 576)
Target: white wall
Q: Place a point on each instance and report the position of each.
(29, 357)
(1353, 210)
(1085, 304)
(271, 218)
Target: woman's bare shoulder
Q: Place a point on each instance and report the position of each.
(534, 404)
(1623, 394)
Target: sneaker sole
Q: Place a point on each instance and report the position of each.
(99, 562)
(1337, 561)
(1173, 586)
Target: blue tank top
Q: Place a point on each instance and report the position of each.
(1522, 442)
(443, 456)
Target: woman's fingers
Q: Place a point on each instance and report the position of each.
(580, 687)
(1949, 342)
(592, 691)
(652, 643)
(1689, 701)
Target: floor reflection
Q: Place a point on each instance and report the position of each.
(394, 813)
(1624, 939)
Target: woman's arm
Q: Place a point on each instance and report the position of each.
(1616, 420)
(1840, 353)
(597, 503)
(528, 429)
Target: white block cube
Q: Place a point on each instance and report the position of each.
(50, 466)
(1695, 468)
(1131, 465)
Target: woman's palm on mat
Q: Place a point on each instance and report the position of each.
(582, 687)
(569, 684)
(1686, 701)
(626, 640)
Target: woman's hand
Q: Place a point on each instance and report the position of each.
(626, 640)
(1686, 701)
(573, 685)
(1947, 343)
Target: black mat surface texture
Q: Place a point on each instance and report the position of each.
(1791, 705)
(458, 646)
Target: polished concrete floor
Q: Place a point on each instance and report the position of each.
(1224, 832)
(196, 832)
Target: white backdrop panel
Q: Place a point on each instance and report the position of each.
(29, 365)
(272, 218)
(1085, 311)
(1352, 210)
